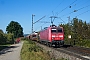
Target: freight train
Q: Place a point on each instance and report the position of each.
(50, 36)
(33, 36)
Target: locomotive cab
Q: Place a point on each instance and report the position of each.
(57, 35)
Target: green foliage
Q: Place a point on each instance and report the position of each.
(35, 48)
(1, 31)
(83, 43)
(10, 38)
(79, 31)
(2, 37)
(6, 38)
(30, 51)
(15, 28)
(24, 38)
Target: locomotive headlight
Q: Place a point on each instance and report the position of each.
(53, 36)
(61, 36)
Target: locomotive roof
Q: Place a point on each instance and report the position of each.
(52, 26)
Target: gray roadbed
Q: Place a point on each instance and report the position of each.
(12, 52)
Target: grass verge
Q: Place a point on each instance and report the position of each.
(32, 52)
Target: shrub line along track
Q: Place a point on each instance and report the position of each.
(71, 53)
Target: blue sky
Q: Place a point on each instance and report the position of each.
(21, 11)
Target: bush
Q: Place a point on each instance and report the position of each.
(83, 43)
(6, 38)
(2, 38)
(10, 38)
(24, 38)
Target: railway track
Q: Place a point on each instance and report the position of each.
(67, 52)
(79, 52)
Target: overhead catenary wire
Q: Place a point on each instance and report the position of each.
(40, 26)
(82, 3)
(83, 13)
(53, 10)
(67, 7)
(39, 19)
(43, 22)
(83, 7)
(76, 10)
(63, 9)
(58, 5)
(62, 19)
(36, 21)
(79, 3)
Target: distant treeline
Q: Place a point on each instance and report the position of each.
(78, 29)
(14, 30)
(6, 38)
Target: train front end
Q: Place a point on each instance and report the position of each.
(57, 36)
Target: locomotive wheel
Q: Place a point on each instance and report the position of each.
(50, 45)
(56, 45)
(59, 45)
(47, 43)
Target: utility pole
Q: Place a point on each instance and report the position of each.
(69, 27)
(68, 20)
(32, 22)
(39, 19)
(53, 19)
(36, 21)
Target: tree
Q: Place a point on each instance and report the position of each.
(2, 37)
(1, 31)
(15, 28)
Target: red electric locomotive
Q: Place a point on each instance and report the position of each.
(52, 35)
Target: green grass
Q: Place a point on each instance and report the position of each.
(32, 52)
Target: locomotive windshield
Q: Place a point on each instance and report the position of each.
(53, 30)
(59, 30)
(56, 30)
